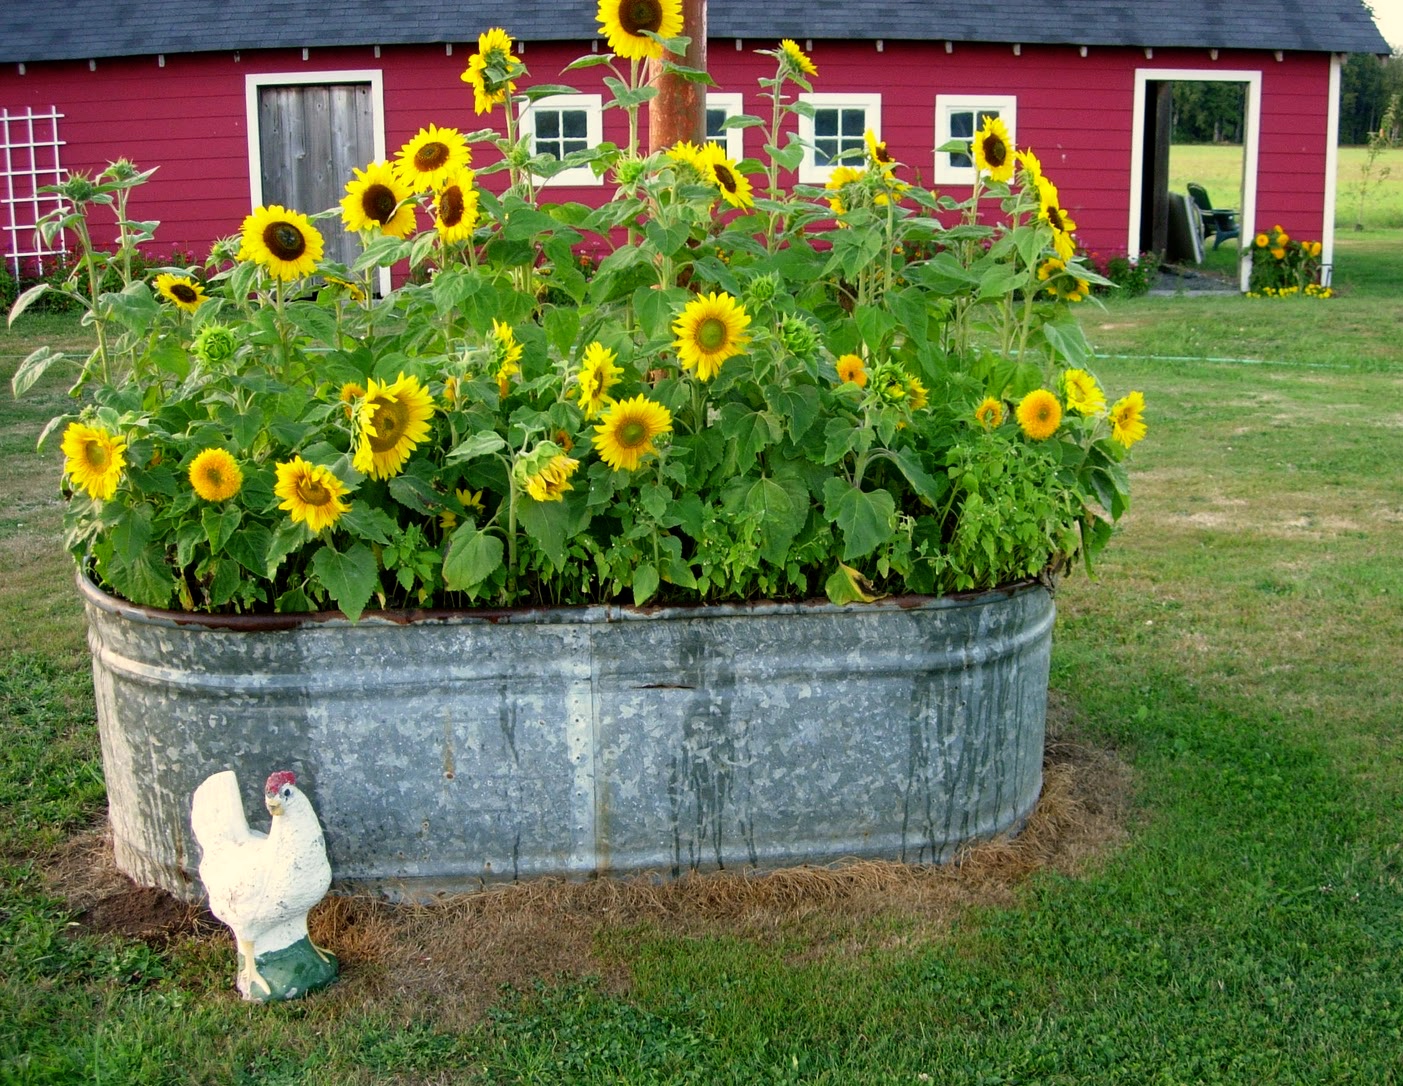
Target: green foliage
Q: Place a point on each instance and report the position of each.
(1283, 266)
(760, 403)
(1127, 277)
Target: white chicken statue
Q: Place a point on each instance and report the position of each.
(263, 885)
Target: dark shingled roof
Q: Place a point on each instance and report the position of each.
(86, 29)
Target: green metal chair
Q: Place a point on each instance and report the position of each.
(1220, 222)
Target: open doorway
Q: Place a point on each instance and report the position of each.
(1165, 219)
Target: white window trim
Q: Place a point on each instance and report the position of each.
(946, 104)
(254, 83)
(810, 173)
(593, 105)
(734, 105)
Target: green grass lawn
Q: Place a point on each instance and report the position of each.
(1218, 167)
(1240, 648)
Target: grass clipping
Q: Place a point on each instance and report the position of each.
(455, 955)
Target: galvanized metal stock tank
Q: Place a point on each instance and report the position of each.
(442, 749)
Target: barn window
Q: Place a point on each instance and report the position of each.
(561, 125)
(959, 118)
(31, 162)
(832, 128)
(718, 108)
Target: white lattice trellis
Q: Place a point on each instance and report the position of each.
(31, 148)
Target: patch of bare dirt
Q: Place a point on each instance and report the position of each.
(450, 959)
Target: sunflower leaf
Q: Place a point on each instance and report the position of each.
(589, 60)
(645, 583)
(350, 578)
(219, 523)
(482, 443)
(472, 557)
(864, 517)
(32, 368)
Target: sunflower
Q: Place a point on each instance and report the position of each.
(735, 188)
(877, 152)
(1262, 241)
(917, 395)
(1083, 394)
(1032, 168)
(709, 331)
(490, 70)
(470, 500)
(841, 177)
(1060, 282)
(391, 420)
(455, 207)
(182, 290)
(506, 353)
(624, 23)
(795, 59)
(93, 459)
(1039, 414)
(550, 483)
(376, 198)
(990, 413)
(1127, 419)
(597, 374)
(352, 391)
(687, 153)
(285, 242)
(626, 433)
(852, 371)
(431, 157)
(993, 151)
(310, 493)
(215, 475)
(1051, 212)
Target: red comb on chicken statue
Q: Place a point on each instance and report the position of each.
(263, 885)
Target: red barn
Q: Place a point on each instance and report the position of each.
(258, 102)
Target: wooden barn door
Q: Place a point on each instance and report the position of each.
(310, 137)
(1154, 206)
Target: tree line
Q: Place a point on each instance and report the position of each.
(1214, 112)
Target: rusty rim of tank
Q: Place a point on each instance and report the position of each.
(586, 613)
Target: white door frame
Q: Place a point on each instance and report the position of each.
(256, 81)
(1251, 140)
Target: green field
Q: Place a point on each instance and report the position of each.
(1219, 169)
(1211, 892)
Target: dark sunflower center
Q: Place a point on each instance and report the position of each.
(712, 334)
(213, 476)
(313, 493)
(96, 455)
(1054, 216)
(882, 155)
(391, 419)
(632, 434)
(378, 202)
(724, 177)
(184, 292)
(635, 16)
(284, 240)
(450, 206)
(432, 156)
(995, 151)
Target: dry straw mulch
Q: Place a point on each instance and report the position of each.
(451, 958)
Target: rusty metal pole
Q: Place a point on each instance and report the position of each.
(679, 110)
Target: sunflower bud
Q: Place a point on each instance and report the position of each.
(215, 344)
(799, 337)
(762, 288)
(629, 171)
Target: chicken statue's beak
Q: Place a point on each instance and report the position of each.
(275, 805)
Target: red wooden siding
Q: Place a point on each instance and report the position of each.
(188, 117)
